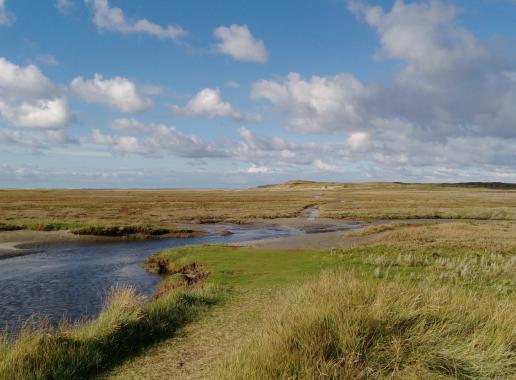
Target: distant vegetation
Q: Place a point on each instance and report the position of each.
(166, 209)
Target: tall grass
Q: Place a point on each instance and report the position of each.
(125, 326)
(343, 327)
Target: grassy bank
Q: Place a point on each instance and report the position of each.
(135, 231)
(125, 326)
(408, 301)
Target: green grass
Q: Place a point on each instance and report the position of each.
(239, 267)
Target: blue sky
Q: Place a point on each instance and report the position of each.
(159, 93)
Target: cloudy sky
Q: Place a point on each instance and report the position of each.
(188, 93)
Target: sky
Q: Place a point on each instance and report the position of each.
(200, 93)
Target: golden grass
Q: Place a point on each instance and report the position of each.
(341, 326)
(124, 327)
(165, 208)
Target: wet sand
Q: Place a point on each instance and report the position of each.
(23, 242)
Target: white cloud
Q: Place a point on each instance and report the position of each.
(6, 18)
(358, 141)
(208, 103)
(114, 20)
(450, 84)
(157, 140)
(36, 141)
(64, 6)
(119, 93)
(425, 36)
(23, 81)
(41, 114)
(325, 167)
(238, 42)
(318, 104)
(258, 169)
(29, 100)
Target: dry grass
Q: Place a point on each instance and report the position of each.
(344, 327)
(125, 326)
(165, 208)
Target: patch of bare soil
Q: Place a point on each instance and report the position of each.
(187, 276)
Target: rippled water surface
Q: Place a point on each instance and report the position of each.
(70, 280)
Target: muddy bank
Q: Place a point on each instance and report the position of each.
(24, 242)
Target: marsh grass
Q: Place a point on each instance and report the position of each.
(11, 227)
(165, 208)
(342, 326)
(124, 327)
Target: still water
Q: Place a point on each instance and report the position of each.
(71, 280)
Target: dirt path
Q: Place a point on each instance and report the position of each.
(201, 346)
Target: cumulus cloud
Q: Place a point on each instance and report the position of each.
(42, 113)
(119, 93)
(156, 140)
(425, 36)
(238, 42)
(6, 18)
(113, 19)
(208, 103)
(318, 104)
(29, 100)
(450, 84)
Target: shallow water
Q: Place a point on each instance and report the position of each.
(70, 280)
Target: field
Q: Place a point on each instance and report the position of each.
(63, 209)
(428, 292)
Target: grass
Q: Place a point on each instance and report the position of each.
(411, 301)
(341, 326)
(125, 326)
(135, 230)
(239, 267)
(410, 298)
(167, 208)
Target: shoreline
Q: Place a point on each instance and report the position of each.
(314, 234)
(25, 242)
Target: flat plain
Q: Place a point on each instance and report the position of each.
(426, 289)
